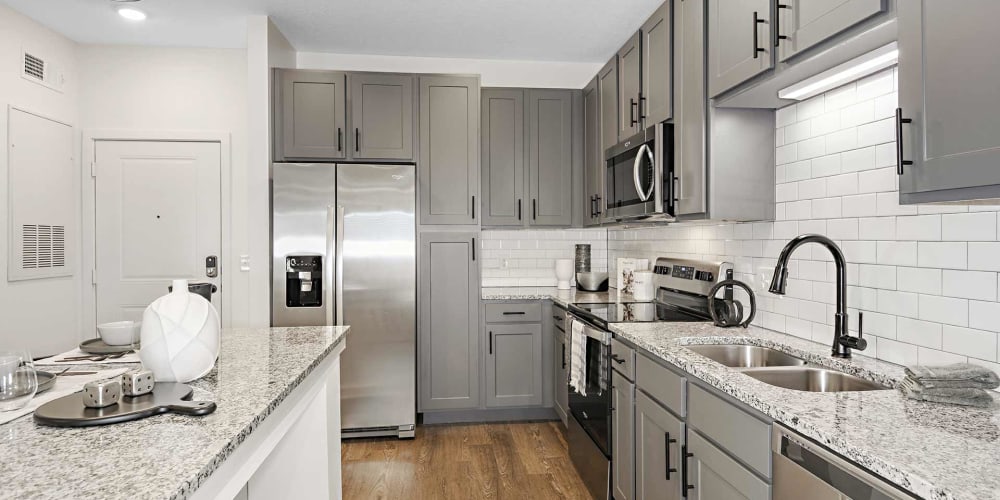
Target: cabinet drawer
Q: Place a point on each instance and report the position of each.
(741, 434)
(661, 383)
(530, 312)
(713, 474)
(559, 318)
(623, 357)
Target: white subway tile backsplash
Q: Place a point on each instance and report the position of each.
(826, 123)
(984, 256)
(862, 205)
(840, 185)
(856, 114)
(947, 310)
(897, 352)
(786, 116)
(897, 303)
(875, 85)
(888, 204)
(879, 132)
(876, 276)
(786, 154)
(879, 180)
(877, 228)
(984, 315)
(919, 227)
(811, 148)
(812, 188)
(970, 284)
(977, 344)
(841, 97)
(801, 130)
(981, 226)
(922, 333)
(825, 208)
(826, 165)
(842, 229)
(812, 107)
(945, 255)
(919, 280)
(898, 253)
(841, 140)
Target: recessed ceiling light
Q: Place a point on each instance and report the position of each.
(132, 14)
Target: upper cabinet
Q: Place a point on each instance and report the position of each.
(449, 149)
(802, 24)
(629, 87)
(592, 155)
(310, 121)
(657, 96)
(947, 143)
(502, 145)
(739, 42)
(382, 116)
(550, 157)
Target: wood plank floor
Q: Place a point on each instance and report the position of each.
(526, 460)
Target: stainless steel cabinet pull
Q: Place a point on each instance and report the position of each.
(756, 46)
(642, 115)
(598, 210)
(632, 105)
(593, 204)
(778, 37)
(666, 452)
(900, 162)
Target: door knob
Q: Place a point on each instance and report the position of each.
(211, 266)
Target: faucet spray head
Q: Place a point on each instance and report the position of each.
(779, 280)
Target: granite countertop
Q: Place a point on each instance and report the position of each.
(936, 451)
(168, 456)
(562, 297)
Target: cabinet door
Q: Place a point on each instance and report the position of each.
(952, 137)
(658, 440)
(312, 115)
(562, 373)
(739, 42)
(712, 475)
(622, 437)
(550, 157)
(690, 163)
(503, 157)
(382, 116)
(449, 150)
(805, 23)
(449, 321)
(514, 365)
(629, 81)
(657, 96)
(607, 86)
(592, 158)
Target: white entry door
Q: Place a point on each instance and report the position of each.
(158, 218)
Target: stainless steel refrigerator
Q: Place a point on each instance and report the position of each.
(344, 253)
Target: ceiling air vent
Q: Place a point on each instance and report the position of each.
(34, 67)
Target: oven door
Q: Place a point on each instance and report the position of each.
(590, 383)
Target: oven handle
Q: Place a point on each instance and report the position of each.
(643, 194)
(590, 331)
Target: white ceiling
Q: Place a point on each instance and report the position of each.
(537, 30)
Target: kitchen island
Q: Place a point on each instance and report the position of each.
(276, 433)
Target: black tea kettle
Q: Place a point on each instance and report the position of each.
(727, 311)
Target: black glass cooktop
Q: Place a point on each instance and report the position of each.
(637, 312)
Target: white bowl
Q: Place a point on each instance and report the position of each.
(119, 332)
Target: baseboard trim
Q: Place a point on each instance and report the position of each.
(490, 415)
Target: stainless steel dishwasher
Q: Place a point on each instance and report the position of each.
(803, 469)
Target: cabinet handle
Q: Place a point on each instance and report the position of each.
(518, 209)
(899, 141)
(756, 49)
(513, 313)
(685, 485)
(632, 105)
(778, 37)
(473, 207)
(666, 451)
(593, 205)
(340, 139)
(640, 107)
(598, 210)
(564, 356)
(534, 209)
(491, 343)
(617, 359)
(473, 249)
(357, 139)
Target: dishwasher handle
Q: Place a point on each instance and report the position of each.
(827, 467)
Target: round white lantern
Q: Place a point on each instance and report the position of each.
(180, 336)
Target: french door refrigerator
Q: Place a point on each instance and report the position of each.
(344, 253)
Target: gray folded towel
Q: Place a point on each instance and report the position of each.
(956, 396)
(954, 376)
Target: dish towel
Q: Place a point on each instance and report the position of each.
(963, 396)
(578, 358)
(954, 376)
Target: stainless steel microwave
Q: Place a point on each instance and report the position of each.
(639, 176)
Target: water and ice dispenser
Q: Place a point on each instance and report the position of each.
(304, 281)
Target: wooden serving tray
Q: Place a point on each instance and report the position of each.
(69, 411)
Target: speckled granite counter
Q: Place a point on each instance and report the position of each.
(167, 456)
(563, 297)
(933, 450)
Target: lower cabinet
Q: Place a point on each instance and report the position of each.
(713, 475)
(659, 437)
(514, 365)
(622, 437)
(561, 364)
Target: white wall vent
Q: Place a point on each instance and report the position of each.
(43, 246)
(38, 69)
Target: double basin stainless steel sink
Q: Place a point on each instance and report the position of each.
(780, 369)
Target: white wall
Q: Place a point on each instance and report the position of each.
(527, 257)
(925, 276)
(494, 72)
(155, 89)
(42, 315)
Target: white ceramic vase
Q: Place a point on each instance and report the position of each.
(564, 273)
(180, 336)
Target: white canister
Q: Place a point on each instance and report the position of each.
(564, 273)
(642, 285)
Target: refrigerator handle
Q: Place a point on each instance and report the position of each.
(339, 271)
(329, 272)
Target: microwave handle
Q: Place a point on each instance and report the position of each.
(644, 195)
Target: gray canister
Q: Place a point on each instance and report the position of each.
(583, 258)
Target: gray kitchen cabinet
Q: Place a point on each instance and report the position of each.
(311, 116)
(514, 365)
(713, 475)
(593, 160)
(607, 86)
(659, 438)
(382, 116)
(739, 42)
(550, 157)
(449, 149)
(656, 102)
(629, 87)
(802, 24)
(948, 114)
(561, 362)
(503, 156)
(448, 363)
(623, 437)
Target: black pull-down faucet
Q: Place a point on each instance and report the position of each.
(843, 342)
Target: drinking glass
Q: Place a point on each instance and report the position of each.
(18, 381)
